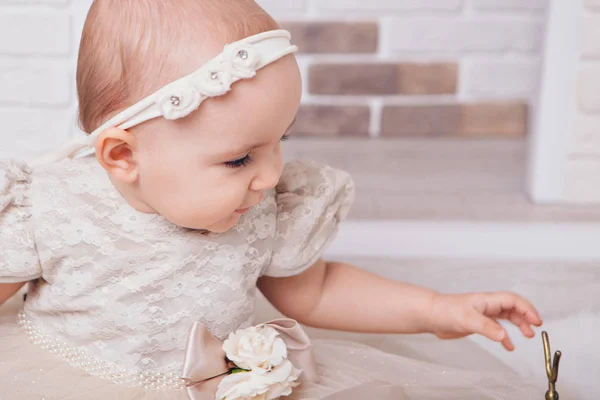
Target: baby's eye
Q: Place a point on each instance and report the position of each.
(242, 162)
(285, 137)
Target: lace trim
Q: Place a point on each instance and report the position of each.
(80, 358)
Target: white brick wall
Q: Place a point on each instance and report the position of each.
(36, 76)
(497, 43)
(26, 32)
(458, 35)
(42, 82)
(510, 78)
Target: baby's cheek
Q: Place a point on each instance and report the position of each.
(198, 204)
(218, 208)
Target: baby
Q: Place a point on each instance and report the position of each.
(145, 258)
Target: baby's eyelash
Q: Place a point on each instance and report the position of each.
(242, 162)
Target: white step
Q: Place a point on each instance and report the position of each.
(438, 180)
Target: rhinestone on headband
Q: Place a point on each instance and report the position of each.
(81, 358)
(175, 101)
(243, 54)
(214, 75)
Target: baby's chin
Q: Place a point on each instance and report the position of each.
(221, 226)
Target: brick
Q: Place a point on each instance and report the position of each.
(590, 46)
(326, 120)
(424, 79)
(355, 79)
(455, 35)
(512, 5)
(507, 120)
(383, 79)
(501, 78)
(33, 132)
(586, 125)
(421, 120)
(35, 33)
(25, 82)
(489, 120)
(386, 6)
(584, 146)
(582, 181)
(585, 139)
(334, 37)
(588, 87)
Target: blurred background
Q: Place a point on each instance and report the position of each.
(471, 127)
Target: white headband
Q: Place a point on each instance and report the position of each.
(239, 60)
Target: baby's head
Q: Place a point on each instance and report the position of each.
(204, 170)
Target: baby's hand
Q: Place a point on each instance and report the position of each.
(457, 316)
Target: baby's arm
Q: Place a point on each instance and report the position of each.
(342, 297)
(7, 290)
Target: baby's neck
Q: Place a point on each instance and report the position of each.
(131, 196)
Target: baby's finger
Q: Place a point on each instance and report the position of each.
(508, 344)
(519, 321)
(486, 327)
(522, 306)
(530, 313)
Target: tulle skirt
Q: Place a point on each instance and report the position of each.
(387, 367)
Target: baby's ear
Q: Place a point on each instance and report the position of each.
(115, 151)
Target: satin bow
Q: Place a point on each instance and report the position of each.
(205, 363)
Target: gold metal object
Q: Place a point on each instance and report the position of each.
(551, 368)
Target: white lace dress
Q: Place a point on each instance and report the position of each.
(114, 291)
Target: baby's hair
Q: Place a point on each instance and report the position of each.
(131, 48)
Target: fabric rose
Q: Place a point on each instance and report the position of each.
(245, 59)
(179, 100)
(263, 371)
(260, 386)
(259, 349)
(256, 363)
(212, 81)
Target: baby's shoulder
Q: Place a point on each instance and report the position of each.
(312, 199)
(307, 179)
(68, 169)
(71, 179)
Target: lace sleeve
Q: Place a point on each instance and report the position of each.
(312, 200)
(18, 256)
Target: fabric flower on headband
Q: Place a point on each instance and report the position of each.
(181, 98)
(179, 101)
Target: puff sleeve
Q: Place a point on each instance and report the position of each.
(312, 200)
(19, 261)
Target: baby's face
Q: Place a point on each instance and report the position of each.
(205, 171)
